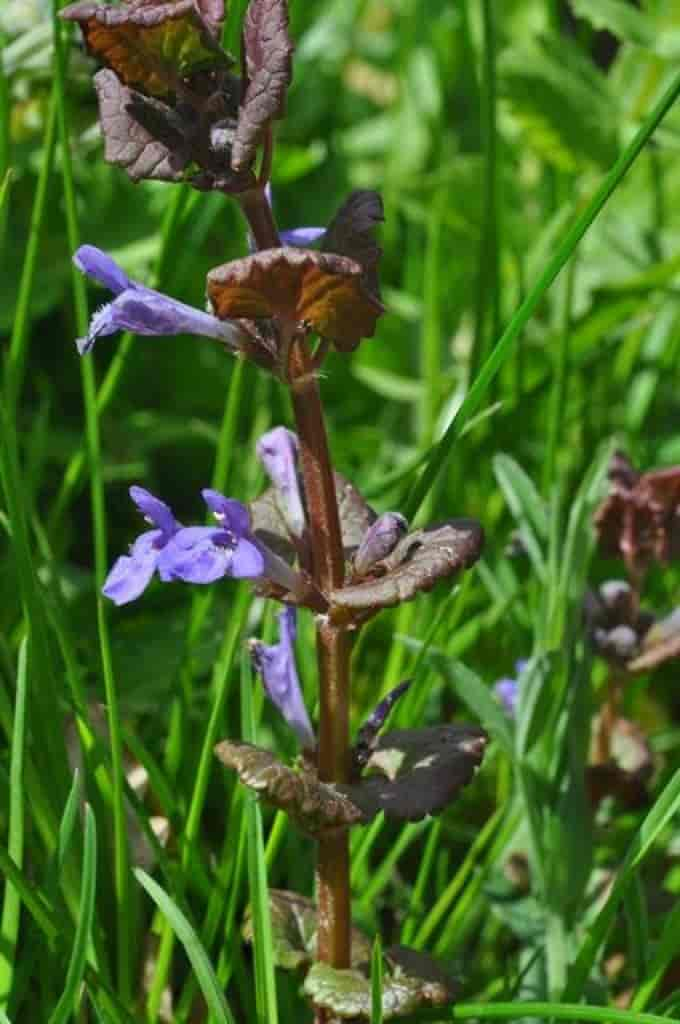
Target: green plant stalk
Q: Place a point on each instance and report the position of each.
(558, 394)
(521, 1010)
(11, 907)
(489, 256)
(503, 348)
(16, 357)
(124, 918)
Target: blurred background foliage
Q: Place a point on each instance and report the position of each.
(486, 126)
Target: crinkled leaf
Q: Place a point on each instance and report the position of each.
(411, 981)
(352, 233)
(416, 564)
(159, 151)
(150, 45)
(356, 515)
(319, 290)
(316, 807)
(294, 929)
(421, 771)
(268, 50)
(640, 517)
(212, 12)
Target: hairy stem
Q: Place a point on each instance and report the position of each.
(333, 651)
(258, 213)
(333, 644)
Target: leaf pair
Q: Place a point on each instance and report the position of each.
(169, 108)
(333, 292)
(412, 773)
(411, 980)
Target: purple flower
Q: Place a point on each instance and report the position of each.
(131, 574)
(203, 554)
(143, 310)
(277, 450)
(507, 689)
(276, 665)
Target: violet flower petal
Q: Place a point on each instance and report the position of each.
(276, 664)
(507, 692)
(203, 554)
(144, 310)
(102, 268)
(155, 511)
(131, 574)
(247, 561)
(232, 515)
(277, 450)
(303, 237)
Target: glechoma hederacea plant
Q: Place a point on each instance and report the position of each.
(172, 109)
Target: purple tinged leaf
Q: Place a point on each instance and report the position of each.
(212, 12)
(268, 51)
(379, 540)
(294, 931)
(277, 450)
(151, 45)
(143, 310)
(351, 233)
(416, 564)
(142, 135)
(411, 981)
(421, 771)
(276, 665)
(317, 808)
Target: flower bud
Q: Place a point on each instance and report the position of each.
(379, 540)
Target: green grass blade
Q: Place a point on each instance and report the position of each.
(18, 346)
(665, 807)
(198, 957)
(666, 951)
(265, 976)
(376, 982)
(522, 1011)
(220, 684)
(11, 907)
(68, 1002)
(503, 348)
(40, 911)
(124, 916)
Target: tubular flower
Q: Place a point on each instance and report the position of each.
(276, 665)
(277, 450)
(131, 574)
(144, 310)
(203, 554)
